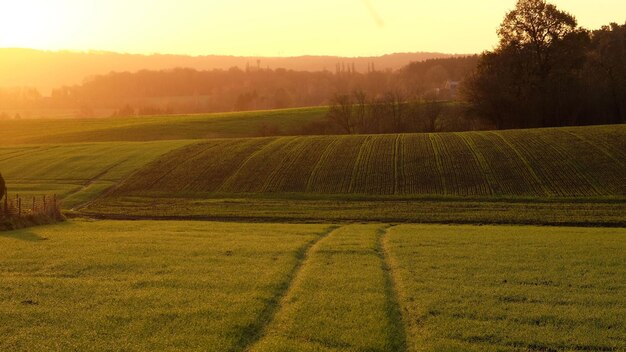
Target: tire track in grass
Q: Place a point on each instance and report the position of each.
(342, 300)
(394, 312)
(413, 329)
(258, 329)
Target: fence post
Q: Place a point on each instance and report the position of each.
(44, 203)
(19, 207)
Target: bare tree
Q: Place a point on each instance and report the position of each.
(341, 113)
(433, 109)
(395, 110)
(360, 111)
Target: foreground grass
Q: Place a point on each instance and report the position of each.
(465, 288)
(144, 286)
(186, 286)
(339, 301)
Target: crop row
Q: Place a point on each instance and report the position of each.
(333, 173)
(596, 163)
(550, 162)
(555, 170)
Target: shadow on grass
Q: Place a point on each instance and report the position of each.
(24, 235)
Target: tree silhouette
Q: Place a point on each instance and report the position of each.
(532, 77)
(606, 70)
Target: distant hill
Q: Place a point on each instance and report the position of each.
(152, 128)
(46, 70)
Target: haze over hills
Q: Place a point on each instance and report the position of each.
(46, 70)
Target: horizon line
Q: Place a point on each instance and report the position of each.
(96, 52)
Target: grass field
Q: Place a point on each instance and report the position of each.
(149, 128)
(565, 162)
(560, 176)
(154, 285)
(144, 286)
(510, 288)
(75, 172)
(340, 300)
(563, 176)
(374, 243)
(287, 208)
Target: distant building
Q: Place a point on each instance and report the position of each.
(453, 88)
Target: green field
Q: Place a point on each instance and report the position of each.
(144, 286)
(154, 285)
(323, 251)
(75, 172)
(340, 300)
(150, 128)
(566, 162)
(331, 209)
(561, 176)
(510, 288)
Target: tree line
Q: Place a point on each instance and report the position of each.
(545, 71)
(185, 90)
(394, 112)
(548, 71)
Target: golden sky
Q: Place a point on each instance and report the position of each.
(271, 27)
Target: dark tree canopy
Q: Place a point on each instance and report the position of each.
(606, 70)
(547, 71)
(536, 23)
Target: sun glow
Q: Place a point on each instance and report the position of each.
(35, 24)
(271, 27)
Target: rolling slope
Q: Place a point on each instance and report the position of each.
(150, 128)
(544, 163)
(75, 172)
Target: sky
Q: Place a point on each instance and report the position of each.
(271, 27)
